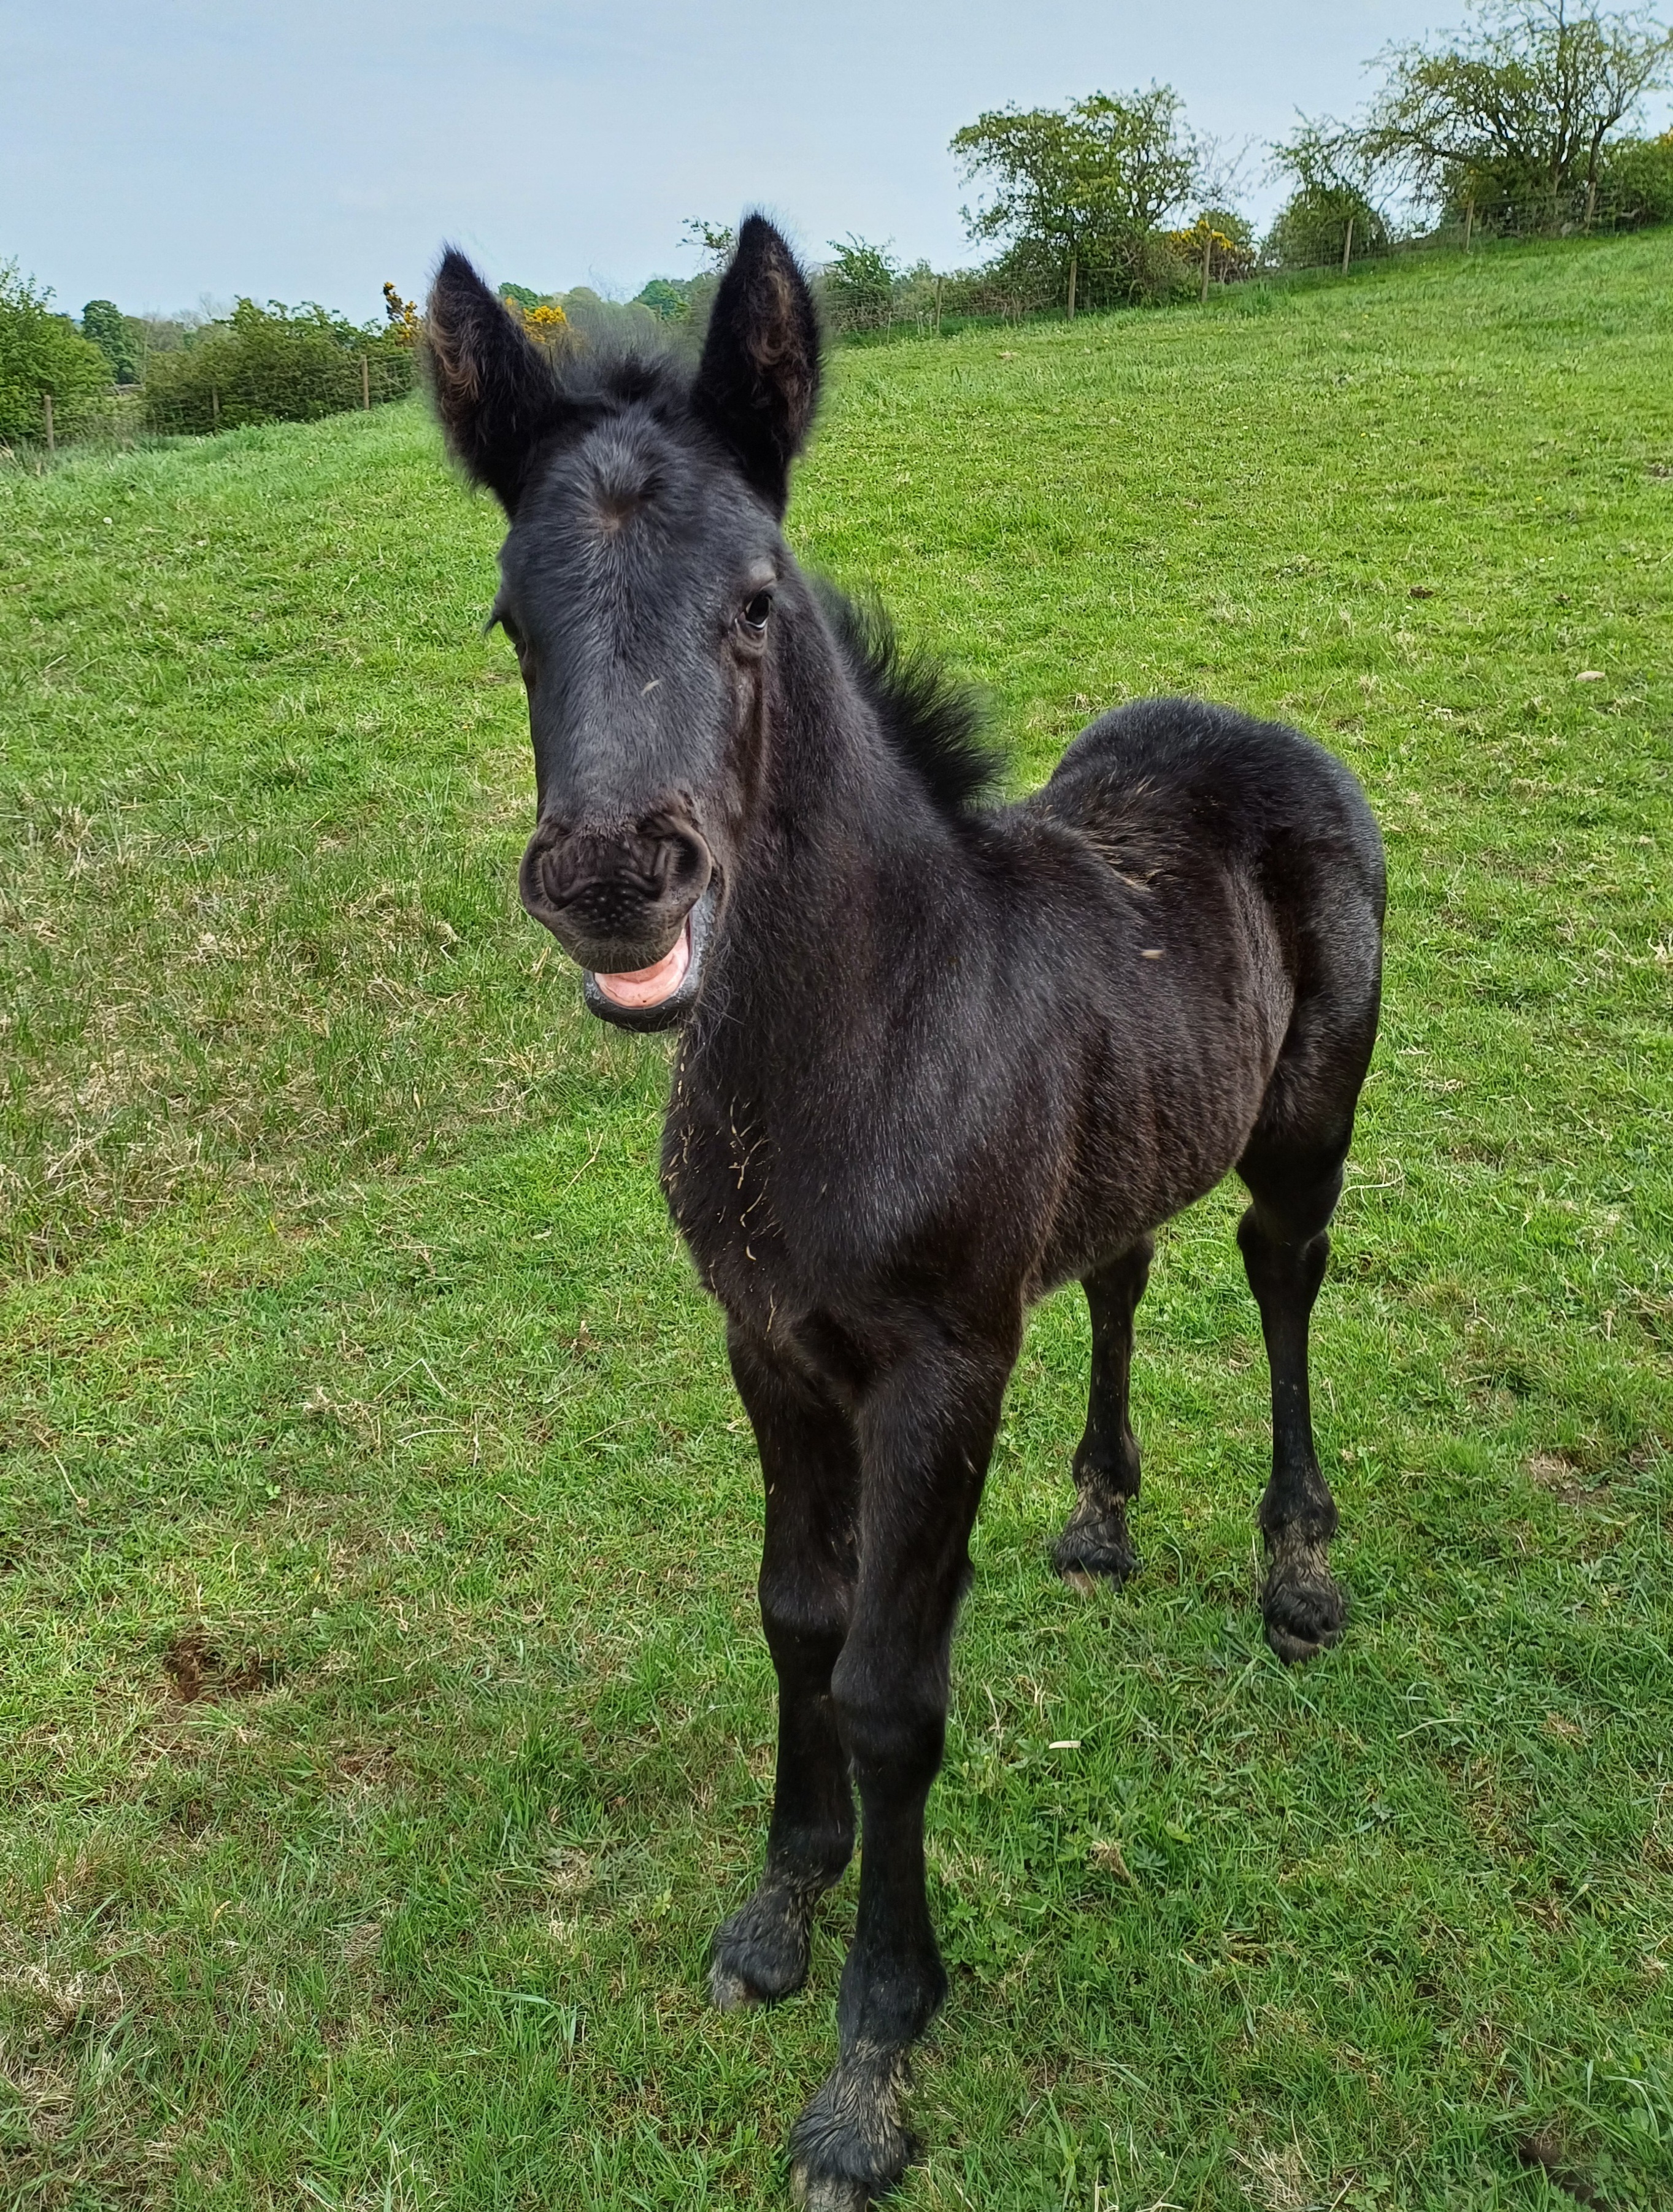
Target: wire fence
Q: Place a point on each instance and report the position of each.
(203, 390)
(1204, 263)
(1470, 228)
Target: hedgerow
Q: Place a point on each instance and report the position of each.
(276, 364)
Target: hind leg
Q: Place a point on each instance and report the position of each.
(1096, 1542)
(1285, 1244)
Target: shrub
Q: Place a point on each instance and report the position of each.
(274, 364)
(1637, 183)
(1151, 272)
(615, 326)
(42, 353)
(1023, 281)
(857, 285)
(403, 321)
(544, 321)
(914, 299)
(1311, 229)
(1222, 236)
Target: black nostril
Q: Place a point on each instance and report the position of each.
(690, 862)
(548, 876)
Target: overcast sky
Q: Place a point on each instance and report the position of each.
(157, 151)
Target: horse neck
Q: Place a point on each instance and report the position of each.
(849, 854)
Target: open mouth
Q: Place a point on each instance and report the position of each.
(656, 997)
(649, 987)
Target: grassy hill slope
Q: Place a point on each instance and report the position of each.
(387, 1725)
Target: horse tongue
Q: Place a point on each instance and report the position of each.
(648, 987)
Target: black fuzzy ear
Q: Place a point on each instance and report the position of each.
(758, 381)
(494, 391)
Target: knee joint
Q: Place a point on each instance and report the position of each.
(801, 1609)
(900, 1727)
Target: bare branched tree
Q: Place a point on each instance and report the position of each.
(1530, 96)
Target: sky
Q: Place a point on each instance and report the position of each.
(175, 151)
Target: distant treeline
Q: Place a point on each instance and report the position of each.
(132, 373)
(1516, 125)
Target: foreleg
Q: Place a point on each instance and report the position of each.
(811, 1464)
(926, 1432)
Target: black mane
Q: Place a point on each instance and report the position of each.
(932, 720)
(605, 375)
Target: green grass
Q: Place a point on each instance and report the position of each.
(352, 1375)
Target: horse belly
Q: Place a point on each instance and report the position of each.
(1157, 1128)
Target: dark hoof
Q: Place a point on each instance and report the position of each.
(850, 2147)
(1095, 1547)
(827, 2192)
(1302, 1605)
(760, 1954)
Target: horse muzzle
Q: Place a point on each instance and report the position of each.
(631, 907)
(657, 997)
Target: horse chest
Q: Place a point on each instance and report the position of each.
(717, 1174)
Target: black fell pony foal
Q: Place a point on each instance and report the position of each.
(936, 1057)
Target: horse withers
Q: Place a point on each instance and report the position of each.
(936, 1057)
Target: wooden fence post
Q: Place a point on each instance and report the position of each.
(1207, 263)
(214, 405)
(1074, 268)
(1347, 246)
(365, 383)
(1469, 219)
(47, 406)
(938, 307)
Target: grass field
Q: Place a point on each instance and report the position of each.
(385, 1723)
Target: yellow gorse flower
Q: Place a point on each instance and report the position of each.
(1200, 235)
(402, 315)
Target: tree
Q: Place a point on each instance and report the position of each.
(42, 356)
(1086, 185)
(104, 325)
(668, 298)
(858, 285)
(1330, 214)
(1522, 107)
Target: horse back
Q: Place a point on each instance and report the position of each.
(1168, 789)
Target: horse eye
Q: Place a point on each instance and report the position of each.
(756, 611)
